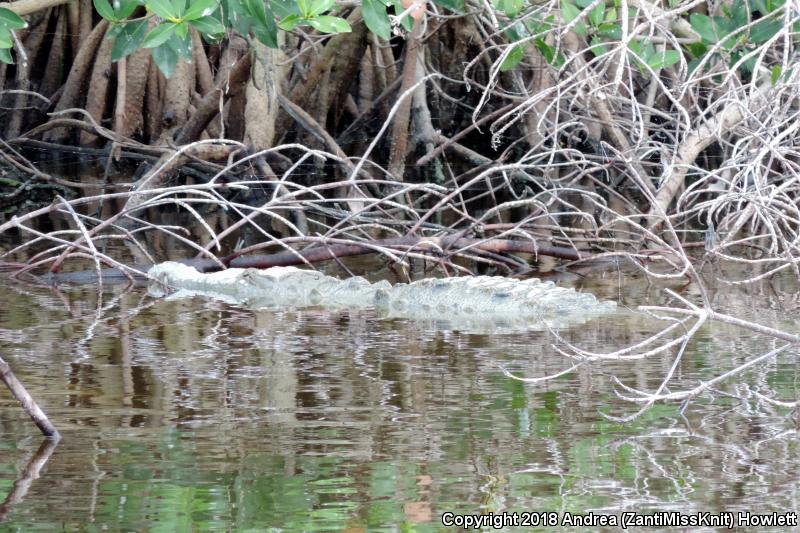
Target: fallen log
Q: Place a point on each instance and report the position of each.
(438, 246)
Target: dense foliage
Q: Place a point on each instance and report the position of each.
(734, 35)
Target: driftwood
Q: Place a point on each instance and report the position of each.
(438, 245)
(430, 245)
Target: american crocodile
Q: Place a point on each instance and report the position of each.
(463, 302)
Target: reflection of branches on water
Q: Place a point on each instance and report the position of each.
(29, 474)
(661, 342)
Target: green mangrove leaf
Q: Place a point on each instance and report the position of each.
(5, 38)
(10, 20)
(257, 9)
(104, 9)
(598, 48)
(516, 32)
(610, 30)
(328, 24)
(376, 18)
(547, 51)
(664, 59)
(166, 58)
(739, 13)
(597, 13)
(5, 56)
(290, 22)
(181, 45)
(199, 9)
(775, 74)
(511, 8)
(182, 30)
(284, 8)
(514, 58)
(267, 35)
(747, 65)
(697, 49)
(126, 8)
(453, 5)
(129, 39)
(648, 51)
(234, 16)
(159, 35)
(178, 7)
(264, 27)
(705, 27)
(209, 26)
(162, 8)
(114, 29)
(764, 30)
(320, 7)
(570, 12)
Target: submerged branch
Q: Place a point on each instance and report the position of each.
(27, 402)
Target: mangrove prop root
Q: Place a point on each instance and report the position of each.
(343, 72)
(32, 43)
(366, 79)
(74, 24)
(137, 72)
(301, 92)
(153, 103)
(177, 95)
(261, 95)
(401, 120)
(86, 15)
(28, 403)
(51, 80)
(122, 86)
(210, 105)
(75, 87)
(205, 79)
(97, 97)
(234, 116)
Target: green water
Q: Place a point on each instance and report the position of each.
(198, 416)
